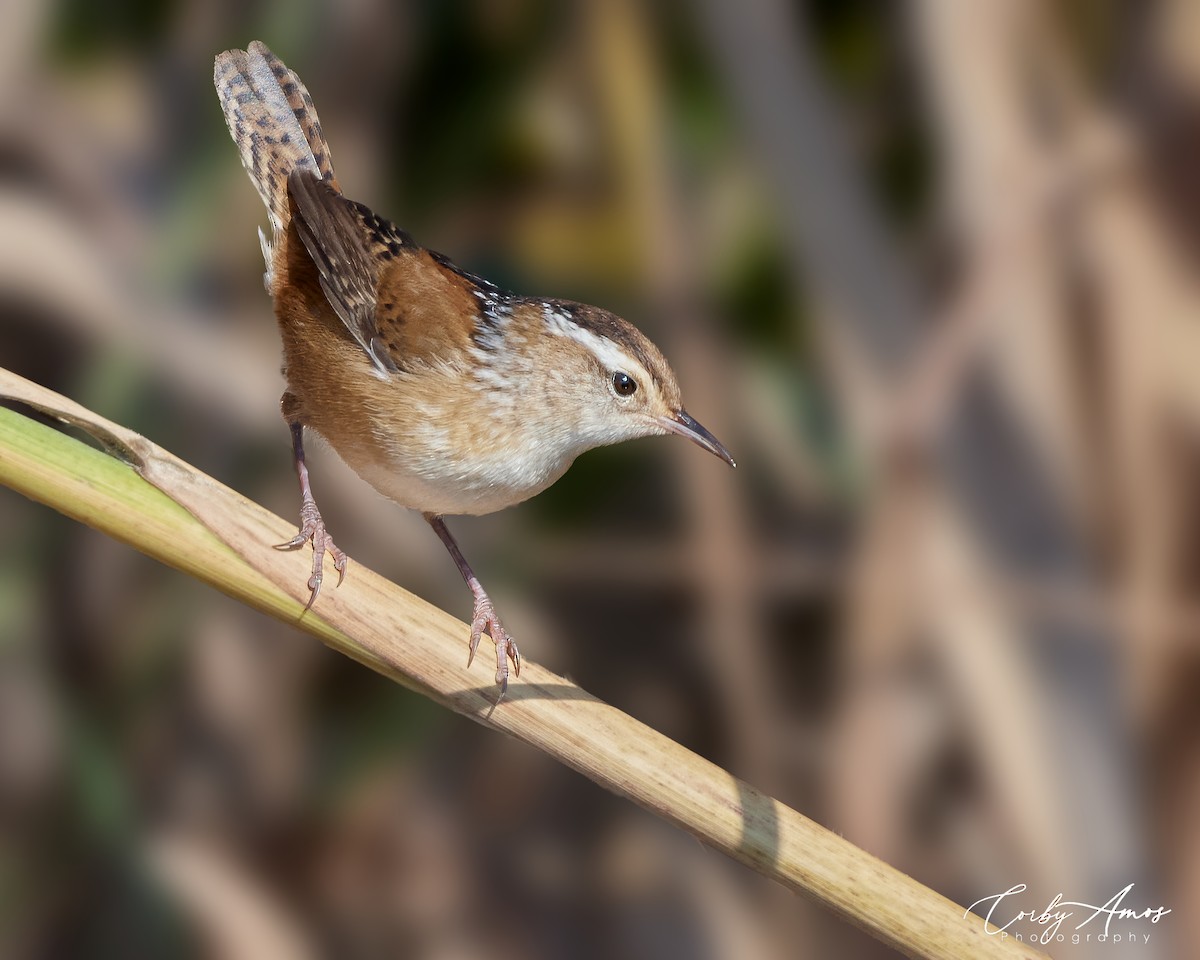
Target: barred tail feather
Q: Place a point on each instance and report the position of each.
(273, 122)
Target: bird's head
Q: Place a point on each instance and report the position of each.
(618, 381)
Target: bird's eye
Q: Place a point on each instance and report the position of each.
(624, 384)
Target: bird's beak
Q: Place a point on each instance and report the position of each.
(682, 424)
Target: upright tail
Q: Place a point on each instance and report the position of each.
(274, 124)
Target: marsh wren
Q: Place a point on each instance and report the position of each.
(446, 393)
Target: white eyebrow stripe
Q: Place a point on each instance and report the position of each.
(609, 355)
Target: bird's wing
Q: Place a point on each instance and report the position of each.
(405, 305)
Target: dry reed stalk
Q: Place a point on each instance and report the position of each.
(148, 498)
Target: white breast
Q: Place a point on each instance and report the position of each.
(438, 487)
(432, 473)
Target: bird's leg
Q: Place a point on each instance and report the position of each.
(483, 618)
(312, 527)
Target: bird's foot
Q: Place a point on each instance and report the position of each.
(312, 530)
(484, 620)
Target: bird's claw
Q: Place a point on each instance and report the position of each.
(484, 620)
(312, 529)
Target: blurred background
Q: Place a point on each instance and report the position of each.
(927, 268)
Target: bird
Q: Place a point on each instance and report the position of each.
(445, 392)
